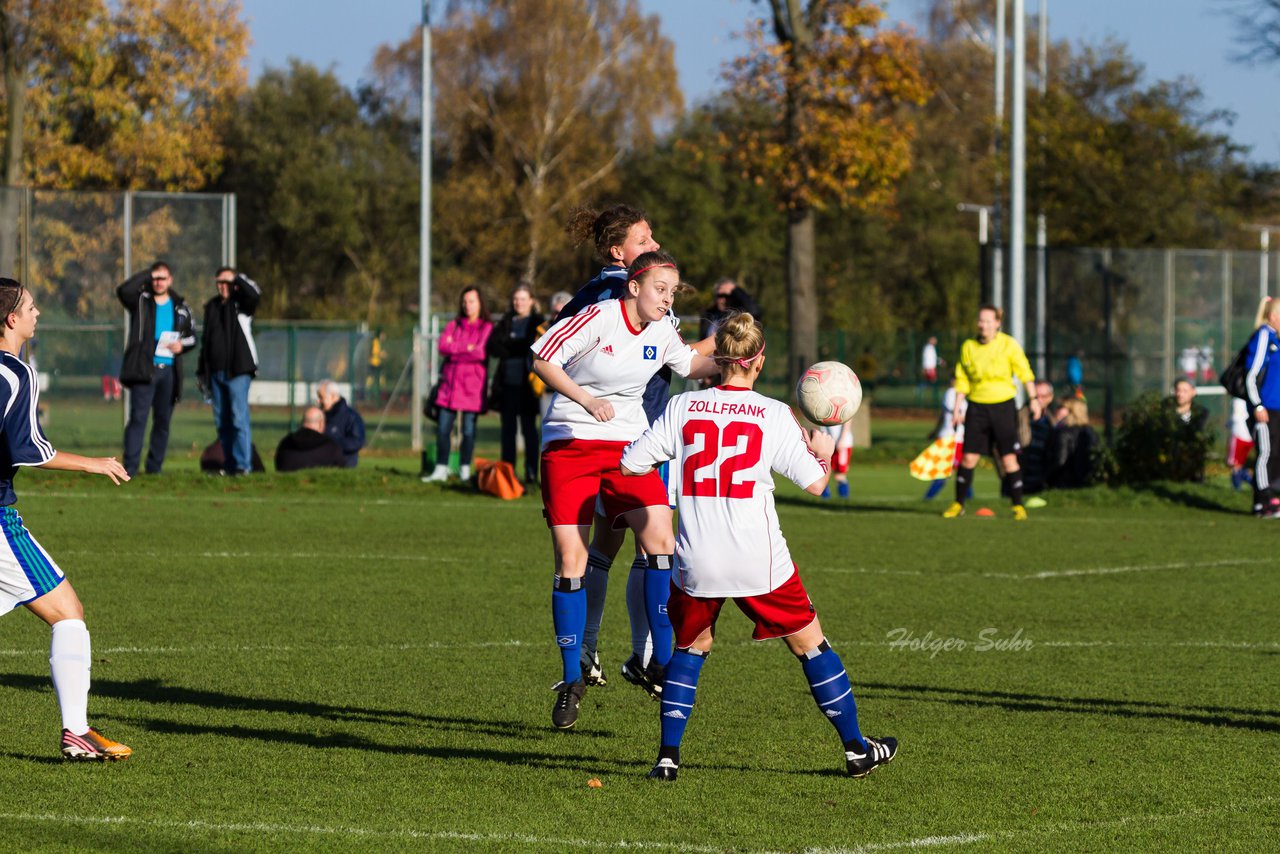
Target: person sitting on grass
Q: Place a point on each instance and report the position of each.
(341, 422)
(308, 447)
(28, 575)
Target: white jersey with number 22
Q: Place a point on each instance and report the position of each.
(726, 442)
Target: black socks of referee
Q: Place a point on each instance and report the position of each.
(964, 482)
(1013, 484)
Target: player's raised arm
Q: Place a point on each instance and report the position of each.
(822, 446)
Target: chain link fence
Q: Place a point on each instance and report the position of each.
(1136, 319)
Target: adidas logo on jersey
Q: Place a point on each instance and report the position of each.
(675, 713)
(607, 349)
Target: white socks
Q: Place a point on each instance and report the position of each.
(641, 641)
(464, 473)
(69, 666)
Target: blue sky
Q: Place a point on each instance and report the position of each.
(1172, 38)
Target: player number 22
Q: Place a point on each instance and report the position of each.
(720, 483)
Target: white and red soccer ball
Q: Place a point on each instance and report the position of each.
(829, 393)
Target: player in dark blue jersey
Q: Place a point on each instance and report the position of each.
(28, 576)
(621, 234)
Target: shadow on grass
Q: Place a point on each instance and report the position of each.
(154, 691)
(1188, 495)
(847, 505)
(36, 760)
(350, 741)
(1223, 716)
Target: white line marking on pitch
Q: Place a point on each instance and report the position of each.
(315, 829)
(864, 571)
(1113, 570)
(922, 842)
(539, 645)
(422, 558)
(267, 499)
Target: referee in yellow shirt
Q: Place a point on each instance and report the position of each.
(984, 375)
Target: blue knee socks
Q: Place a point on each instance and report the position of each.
(832, 692)
(569, 615)
(679, 692)
(657, 587)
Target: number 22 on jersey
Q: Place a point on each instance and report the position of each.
(702, 478)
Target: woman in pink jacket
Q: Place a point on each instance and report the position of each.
(462, 381)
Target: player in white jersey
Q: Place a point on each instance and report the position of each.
(598, 363)
(727, 441)
(1239, 443)
(28, 576)
(842, 435)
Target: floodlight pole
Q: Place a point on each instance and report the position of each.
(997, 260)
(424, 349)
(1042, 287)
(1017, 313)
(1264, 242)
(1265, 239)
(984, 213)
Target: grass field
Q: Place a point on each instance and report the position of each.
(358, 661)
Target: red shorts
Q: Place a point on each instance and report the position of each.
(575, 471)
(931, 375)
(778, 613)
(1238, 451)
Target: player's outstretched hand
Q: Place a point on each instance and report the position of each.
(110, 467)
(821, 443)
(601, 410)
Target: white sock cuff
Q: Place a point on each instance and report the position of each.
(70, 639)
(73, 626)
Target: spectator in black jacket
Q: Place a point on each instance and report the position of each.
(341, 423)
(308, 447)
(510, 392)
(160, 331)
(228, 362)
(727, 297)
(1069, 455)
(1035, 465)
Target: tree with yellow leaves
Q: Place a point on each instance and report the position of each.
(123, 95)
(126, 94)
(827, 95)
(536, 103)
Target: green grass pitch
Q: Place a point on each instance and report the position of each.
(358, 661)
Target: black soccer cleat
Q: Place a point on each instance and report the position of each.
(666, 769)
(879, 751)
(592, 673)
(649, 678)
(564, 714)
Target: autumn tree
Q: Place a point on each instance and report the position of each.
(833, 88)
(715, 220)
(127, 94)
(537, 102)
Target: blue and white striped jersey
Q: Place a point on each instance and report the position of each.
(24, 442)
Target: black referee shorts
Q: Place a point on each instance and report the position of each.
(988, 425)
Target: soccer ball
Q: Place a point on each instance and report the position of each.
(829, 393)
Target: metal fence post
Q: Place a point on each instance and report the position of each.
(1169, 354)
